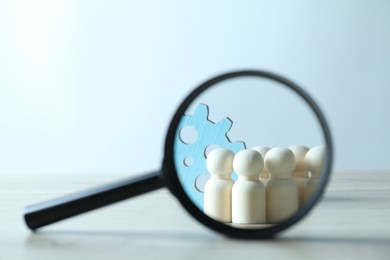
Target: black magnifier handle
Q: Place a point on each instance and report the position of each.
(48, 212)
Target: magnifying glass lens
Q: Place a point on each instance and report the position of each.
(249, 152)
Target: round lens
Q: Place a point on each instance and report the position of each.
(250, 151)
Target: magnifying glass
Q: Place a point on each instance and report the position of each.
(247, 154)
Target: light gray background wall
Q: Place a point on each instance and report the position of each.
(90, 86)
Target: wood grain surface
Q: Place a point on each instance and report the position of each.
(351, 222)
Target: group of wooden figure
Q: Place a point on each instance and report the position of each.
(272, 185)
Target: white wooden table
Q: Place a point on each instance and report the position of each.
(351, 222)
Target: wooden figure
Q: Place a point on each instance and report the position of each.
(300, 174)
(248, 194)
(218, 189)
(264, 175)
(315, 161)
(281, 190)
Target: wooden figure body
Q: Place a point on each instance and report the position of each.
(264, 175)
(281, 190)
(315, 161)
(248, 194)
(300, 174)
(218, 189)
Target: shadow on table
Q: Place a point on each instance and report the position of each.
(60, 238)
(70, 236)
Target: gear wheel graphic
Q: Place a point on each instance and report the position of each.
(190, 158)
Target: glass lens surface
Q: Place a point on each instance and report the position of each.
(249, 152)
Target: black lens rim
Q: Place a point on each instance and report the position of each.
(172, 181)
